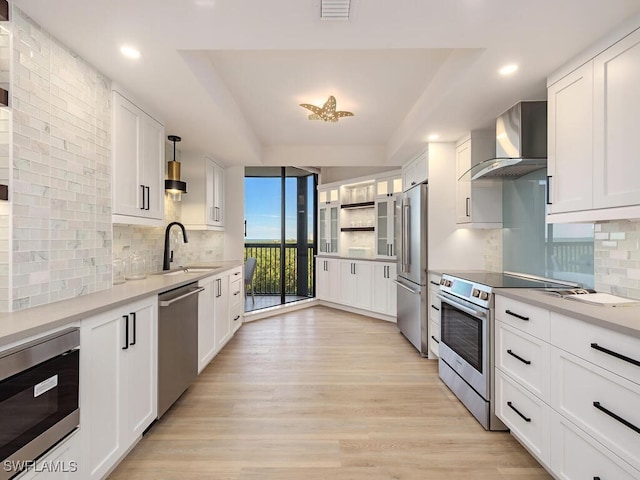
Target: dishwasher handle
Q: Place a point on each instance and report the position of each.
(166, 303)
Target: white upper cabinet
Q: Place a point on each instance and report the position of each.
(416, 171)
(329, 196)
(478, 202)
(388, 186)
(570, 145)
(616, 118)
(138, 156)
(594, 112)
(203, 204)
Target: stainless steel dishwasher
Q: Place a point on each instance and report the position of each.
(177, 343)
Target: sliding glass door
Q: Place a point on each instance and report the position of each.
(280, 234)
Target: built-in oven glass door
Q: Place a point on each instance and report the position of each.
(463, 341)
(37, 401)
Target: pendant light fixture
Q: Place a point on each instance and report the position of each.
(173, 185)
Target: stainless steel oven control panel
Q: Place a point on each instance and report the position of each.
(472, 292)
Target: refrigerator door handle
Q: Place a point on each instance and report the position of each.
(406, 232)
(415, 292)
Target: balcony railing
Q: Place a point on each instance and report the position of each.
(266, 279)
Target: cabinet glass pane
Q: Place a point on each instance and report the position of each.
(333, 194)
(382, 188)
(334, 230)
(382, 228)
(323, 230)
(397, 185)
(322, 197)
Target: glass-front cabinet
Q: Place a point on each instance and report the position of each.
(328, 229)
(385, 231)
(388, 186)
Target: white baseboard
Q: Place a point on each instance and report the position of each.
(366, 313)
(278, 309)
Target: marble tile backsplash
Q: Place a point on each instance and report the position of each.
(617, 258)
(60, 172)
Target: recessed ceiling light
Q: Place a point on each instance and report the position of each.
(433, 137)
(508, 69)
(130, 52)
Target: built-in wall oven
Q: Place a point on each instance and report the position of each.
(467, 325)
(38, 398)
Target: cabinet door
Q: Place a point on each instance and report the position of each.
(151, 167)
(128, 186)
(570, 155)
(218, 196)
(616, 119)
(101, 389)
(206, 324)
(328, 277)
(363, 273)
(210, 188)
(221, 315)
(140, 369)
(385, 228)
(322, 279)
(333, 229)
(347, 283)
(384, 290)
(463, 187)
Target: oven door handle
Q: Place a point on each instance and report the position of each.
(453, 303)
(415, 292)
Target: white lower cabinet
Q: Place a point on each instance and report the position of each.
(207, 346)
(384, 298)
(236, 304)
(601, 403)
(577, 456)
(362, 284)
(118, 382)
(570, 384)
(221, 310)
(328, 279)
(526, 416)
(434, 313)
(356, 283)
(61, 463)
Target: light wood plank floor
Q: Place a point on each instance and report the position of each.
(322, 394)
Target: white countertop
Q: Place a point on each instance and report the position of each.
(624, 319)
(18, 325)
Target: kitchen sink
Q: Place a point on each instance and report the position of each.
(190, 270)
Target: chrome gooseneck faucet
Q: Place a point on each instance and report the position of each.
(168, 256)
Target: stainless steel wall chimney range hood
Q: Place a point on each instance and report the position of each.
(521, 143)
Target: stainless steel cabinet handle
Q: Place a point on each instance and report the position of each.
(166, 303)
(406, 231)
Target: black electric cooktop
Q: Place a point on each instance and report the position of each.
(503, 280)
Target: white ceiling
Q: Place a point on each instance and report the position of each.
(228, 75)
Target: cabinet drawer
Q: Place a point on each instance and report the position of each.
(526, 416)
(434, 338)
(524, 358)
(235, 315)
(598, 345)
(434, 281)
(434, 308)
(530, 319)
(236, 292)
(236, 273)
(599, 402)
(577, 456)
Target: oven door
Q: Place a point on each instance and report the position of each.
(38, 404)
(464, 341)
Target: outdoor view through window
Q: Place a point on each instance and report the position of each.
(280, 218)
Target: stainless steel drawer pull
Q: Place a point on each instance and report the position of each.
(617, 417)
(526, 419)
(526, 362)
(509, 312)
(632, 361)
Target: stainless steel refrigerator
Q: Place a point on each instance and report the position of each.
(411, 281)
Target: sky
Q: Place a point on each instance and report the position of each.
(262, 208)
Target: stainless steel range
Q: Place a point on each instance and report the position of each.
(466, 338)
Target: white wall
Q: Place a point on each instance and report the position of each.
(234, 211)
(449, 248)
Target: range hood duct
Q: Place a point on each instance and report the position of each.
(521, 143)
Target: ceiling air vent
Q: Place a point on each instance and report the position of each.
(335, 9)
